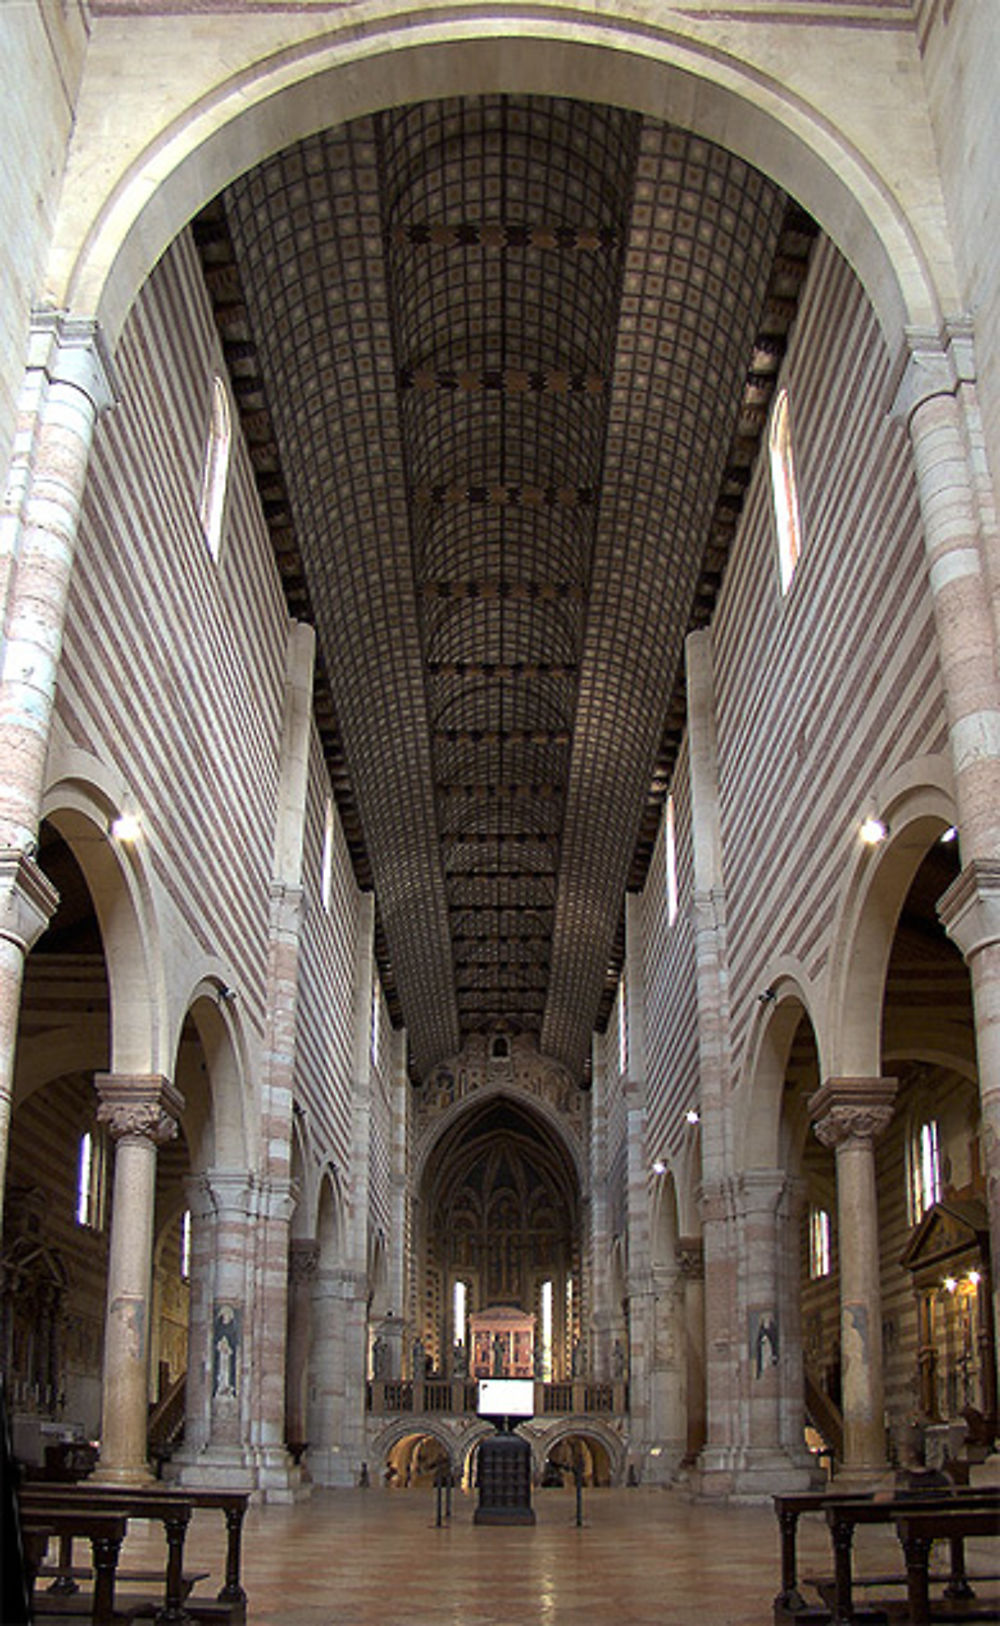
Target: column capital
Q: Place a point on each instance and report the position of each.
(139, 1106)
(72, 350)
(691, 1258)
(274, 1199)
(761, 1190)
(28, 900)
(227, 1190)
(286, 909)
(937, 361)
(852, 1109)
(970, 909)
(303, 1260)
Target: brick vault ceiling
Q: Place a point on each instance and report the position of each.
(503, 362)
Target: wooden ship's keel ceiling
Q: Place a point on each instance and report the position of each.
(504, 365)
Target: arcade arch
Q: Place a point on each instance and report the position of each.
(822, 155)
(500, 1212)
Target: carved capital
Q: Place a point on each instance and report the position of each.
(227, 1190)
(286, 907)
(970, 909)
(691, 1258)
(852, 1109)
(28, 900)
(303, 1261)
(144, 1106)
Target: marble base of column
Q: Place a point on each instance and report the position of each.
(279, 1479)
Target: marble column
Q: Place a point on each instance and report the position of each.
(141, 1112)
(937, 398)
(303, 1261)
(691, 1261)
(723, 1341)
(849, 1114)
(28, 900)
(66, 385)
(229, 1353)
(196, 1385)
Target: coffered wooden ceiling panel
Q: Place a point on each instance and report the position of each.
(500, 351)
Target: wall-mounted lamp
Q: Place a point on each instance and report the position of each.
(126, 827)
(766, 996)
(659, 1167)
(950, 835)
(950, 1284)
(692, 1115)
(226, 995)
(873, 830)
(974, 1278)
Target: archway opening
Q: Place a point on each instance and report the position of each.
(574, 1454)
(502, 1280)
(58, 1193)
(415, 1462)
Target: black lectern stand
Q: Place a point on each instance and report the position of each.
(504, 1481)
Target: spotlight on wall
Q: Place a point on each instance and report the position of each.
(766, 996)
(226, 995)
(126, 827)
(692, 1115)
(873, 830)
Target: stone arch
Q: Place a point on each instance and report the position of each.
(215, 1115)
(401, 1428)
(782, 1004)
(664, 1227)
(491, 1089)
(917, 807)
(99, 261)
(544, 1440)
(82, 812)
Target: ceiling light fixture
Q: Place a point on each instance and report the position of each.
(126, 827)
(873, 830)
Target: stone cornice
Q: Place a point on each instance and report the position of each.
(71, 350)
(937, 362)
(970, 909)
(28, 900)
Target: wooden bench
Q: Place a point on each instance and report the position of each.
(173, 1509)
(917, 1530)
(104, 1529)
(844, 1516)
(157, 1503)
(789, 1509)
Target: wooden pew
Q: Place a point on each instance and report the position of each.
(158, 1502)
(789, 1508)
(843, 1518)
(105, 1531)
(172, 1508)
(918, 1529)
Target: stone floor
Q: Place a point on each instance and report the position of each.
(376, 1558)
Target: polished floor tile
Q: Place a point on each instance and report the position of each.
(376, 1558)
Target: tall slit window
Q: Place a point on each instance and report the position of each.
(215, 475)
(92, 1179)
(924, 1160)
(787, 515)
(819, 1243)
(326, 866)
(622, 1026)
(670, 857)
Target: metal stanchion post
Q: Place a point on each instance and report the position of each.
(578, 1478)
